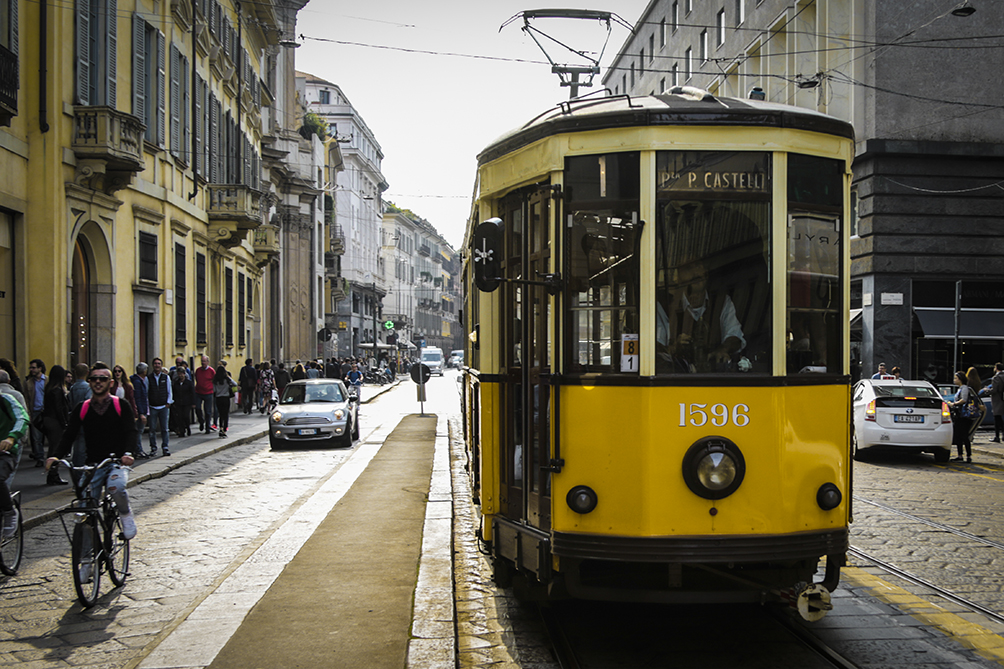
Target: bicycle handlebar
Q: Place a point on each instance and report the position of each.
(84, 468)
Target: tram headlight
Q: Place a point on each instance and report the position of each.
(714, 467)
(828, 496)
(581, 499)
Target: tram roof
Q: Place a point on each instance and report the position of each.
(686, 107)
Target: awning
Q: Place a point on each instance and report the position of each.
(855, 316)
(405, 344)
(973, 323)
(379, 346)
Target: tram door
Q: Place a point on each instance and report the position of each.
(527, 356)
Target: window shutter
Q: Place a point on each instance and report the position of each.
(111, 49)
(13, 26)
(186, 112)
(161, 89)
(139, 67)
(214, 140)
(175, 100)
(83, 52)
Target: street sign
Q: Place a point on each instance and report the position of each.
(420, 374)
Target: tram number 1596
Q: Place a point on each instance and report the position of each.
(719, 415)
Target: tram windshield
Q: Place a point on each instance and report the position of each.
(713, 296)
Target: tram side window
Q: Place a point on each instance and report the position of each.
(815, 315)
(603, 234)
(712, 260)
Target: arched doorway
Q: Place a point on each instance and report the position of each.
(81, 340)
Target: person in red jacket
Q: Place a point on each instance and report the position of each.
(205, 402)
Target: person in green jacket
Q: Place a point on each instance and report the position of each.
(13, 426)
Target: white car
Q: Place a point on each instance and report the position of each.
(897, 414)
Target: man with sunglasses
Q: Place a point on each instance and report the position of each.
(109, 431)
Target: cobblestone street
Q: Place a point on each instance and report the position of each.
(195, 526)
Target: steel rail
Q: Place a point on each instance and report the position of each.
(916, 580)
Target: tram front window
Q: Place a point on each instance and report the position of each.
(713, 297)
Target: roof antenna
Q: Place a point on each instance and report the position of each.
(569, 74)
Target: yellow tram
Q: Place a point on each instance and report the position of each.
(656, 396)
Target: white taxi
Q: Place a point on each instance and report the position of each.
(902, 415)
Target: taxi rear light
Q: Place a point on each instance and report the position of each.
(870, 411)
(946, 413)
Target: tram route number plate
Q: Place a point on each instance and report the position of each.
(302, 433)
(907, 419)
(629, 353)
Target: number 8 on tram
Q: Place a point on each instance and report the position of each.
(657, 403)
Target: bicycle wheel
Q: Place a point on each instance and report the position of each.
(116, 548)
(86, 555)
(11, 548)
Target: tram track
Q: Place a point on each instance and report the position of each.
(914, 579)
(569, 652)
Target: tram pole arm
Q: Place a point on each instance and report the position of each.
(553, 282)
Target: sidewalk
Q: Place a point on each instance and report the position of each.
(39, 502)
(983, 444)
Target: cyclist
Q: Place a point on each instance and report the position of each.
(110, 429)
(13, 426)
(355, 380)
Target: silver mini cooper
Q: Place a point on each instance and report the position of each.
(312, 412)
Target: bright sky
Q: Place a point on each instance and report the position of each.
(432, 113)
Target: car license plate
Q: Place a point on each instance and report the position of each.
(307, 431)
(908, 419)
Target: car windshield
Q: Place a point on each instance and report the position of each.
(327, 392)
(905, 391)
(431, 356)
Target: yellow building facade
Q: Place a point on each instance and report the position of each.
(131, 202)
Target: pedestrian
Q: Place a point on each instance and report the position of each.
(205, 402)
(160, 395)
(80, 390)
(282, 378)
(122, 387)
(897, 372)
(15, 379)
(248, 381)
(140, 394)
(312, 371)
(13, 428)
(184, 400)
(331, 370)
(54, 416)
(964, 413)
(881, 371)
(7, 388)
(299, 372)
(266, 385)
(223, 390)
(997, 400)
(34, 394)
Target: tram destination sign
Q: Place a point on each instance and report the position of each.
(736, 172)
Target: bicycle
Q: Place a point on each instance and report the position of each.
(98, 541)
(11, 548)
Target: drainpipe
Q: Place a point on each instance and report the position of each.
(193, 87)
(43, 79)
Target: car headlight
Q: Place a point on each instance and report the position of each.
(276, 416)
(714, 467)
(339, 414)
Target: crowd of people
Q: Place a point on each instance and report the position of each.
(90, 413)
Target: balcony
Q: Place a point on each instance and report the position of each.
(339, 288)
(266, 244)
(108, 145)
(8, 86)
(424, 250)
(233, 210)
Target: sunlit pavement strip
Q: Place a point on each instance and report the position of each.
(432, 644)
(981, 640)
(201, 636)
